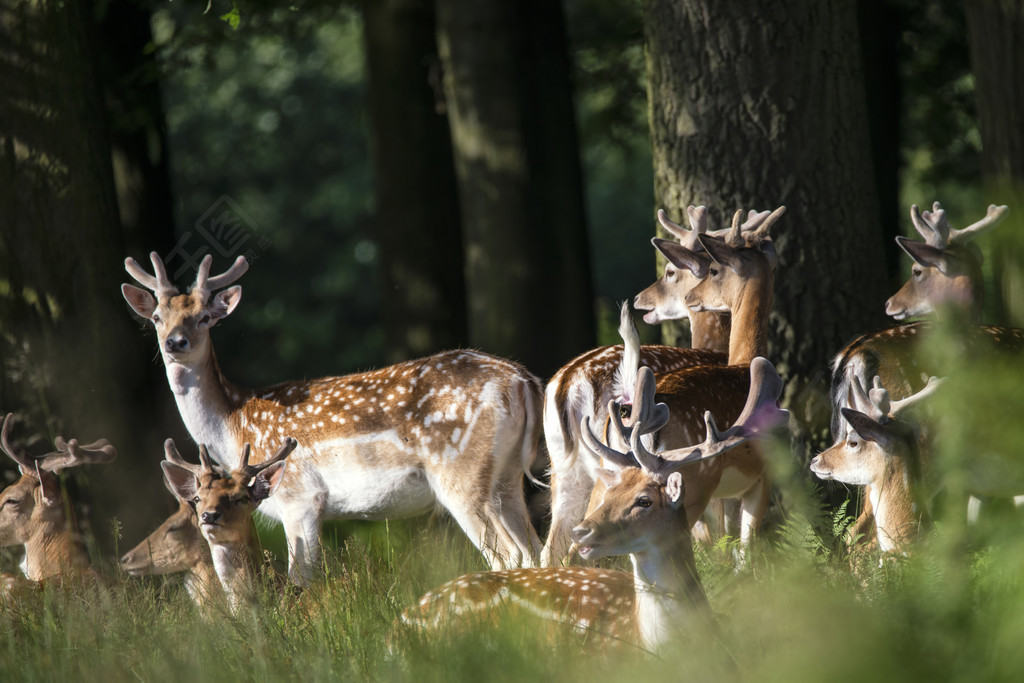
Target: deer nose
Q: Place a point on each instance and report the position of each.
(176, 344)
(580, 533)
(210, 516)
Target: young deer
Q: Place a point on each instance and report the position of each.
(224, 503)
(178, 546)
(35, 514)
(583, 387)
(643, 514)
(885, 452)
(459, 428)
(947, 274)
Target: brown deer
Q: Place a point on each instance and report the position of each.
(224, 504)
(35, 513)
(459, 428)
(887, 453)
(177, 546)
(642, 513)
(946, 275)
(585, 385)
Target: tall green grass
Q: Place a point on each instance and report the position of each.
(804, 607)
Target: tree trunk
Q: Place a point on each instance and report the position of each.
(520, 188)
(762, 105)
(996, 39)
(70, 358)
(417, 213)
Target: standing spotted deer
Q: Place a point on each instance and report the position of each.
(34, 512)
(224, 504)
(457, 429)
(642, 513)
(584, 386)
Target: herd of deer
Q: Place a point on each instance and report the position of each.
(635, 454)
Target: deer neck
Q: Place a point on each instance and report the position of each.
(669, 596)
(54, 552)
(208, 403)
(201, 580)
(236, 566)
(709, 330)
(897, 513)
(748, 333)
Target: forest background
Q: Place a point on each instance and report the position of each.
(407, 176)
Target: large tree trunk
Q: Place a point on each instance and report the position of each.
(520, 189)
(996, 39)
(70, 357)
(417, 213)
(762, 105)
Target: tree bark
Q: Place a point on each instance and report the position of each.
(762, 105)
(520, 186)
(996, 40)
(417, 212)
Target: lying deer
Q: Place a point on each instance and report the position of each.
(459, 428)
(584, 386)
(34, 512)
(946, 275)
(224, 503)
(643, 514)
(178, 546)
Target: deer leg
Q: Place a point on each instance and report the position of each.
(303, 537)
(514, 517)
(754, 504)
(570, 491)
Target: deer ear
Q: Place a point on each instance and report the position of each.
(924, 254)
(266, 482)
(721, 252)
(181, 482)
(223, 303)
(868, 429)
(674, 489)
(681, 257)
(50, 487)
(141, 301)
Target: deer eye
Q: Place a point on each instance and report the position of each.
(713, 272)
(670, 273)
(205, 319)
(918, 273)
(13, 502)
(852, 443)
(155, 318)
(176, 527)
(643, 502)
(195, 501)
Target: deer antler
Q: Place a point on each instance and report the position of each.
(760, 231)
(934, 227)
(173, 456)
(68, 453)
(283, 452)
(207, 285)
(930, 387)
(760, 413)
(645, 416)
(158, 283)
(26, 462)
(599, 450)
(876, 403)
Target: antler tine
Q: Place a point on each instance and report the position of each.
(754, 219)
(72, 454)
(652, 462)
(204, 458)
(879, 397)
(993, 217)
(203, 276)
(283, 452)
(698, 216)
(925, 228)
(760, 233)
(16, 454)
(599, 450)
(734, 236)
(237, 270)
(158, 283)
(939, 222)
(930, 388)
(685, 236)
(862, 401)
(172, 455)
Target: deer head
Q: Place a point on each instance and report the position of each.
(175, 546)
(947, 267)
(33, 505)
(183, 321)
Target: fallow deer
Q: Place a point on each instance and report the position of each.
(224, 504)
(946, 275)
(583, 387)
(459, 428)
(887, 453)
(177, 546)
(643, 514)
(34, 511)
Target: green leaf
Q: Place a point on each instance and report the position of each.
(233, 17)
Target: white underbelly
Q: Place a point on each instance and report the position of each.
(374, 494)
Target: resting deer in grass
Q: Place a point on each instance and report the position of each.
(583, 387)
(34, 512)
(177, 546)
(224, 504)
(946, 275)
(885, 452)
(643, 513)
(459, 428)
